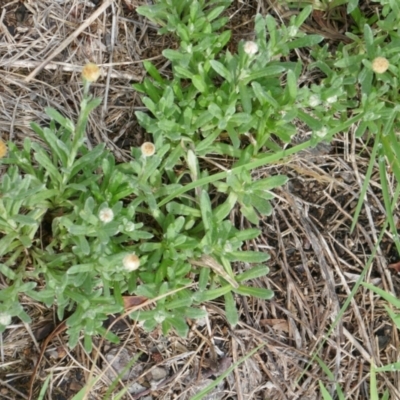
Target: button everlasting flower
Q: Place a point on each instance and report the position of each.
(3, 149)
(5, 319)
(131, 262)
(91, 72)
(250, 48)
(148, 149)
(106, 215)
(380, 65)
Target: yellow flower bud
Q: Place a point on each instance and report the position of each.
(91, 72)
(3, 149)
(380, 65)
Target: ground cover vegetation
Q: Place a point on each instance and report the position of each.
(86, 233)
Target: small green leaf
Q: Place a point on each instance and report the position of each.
(248, 256)
(199, 83)
(214, 13)
(272, 70)
(253, 273)
(64, 122)
(261, 293)
(179, 325)
(305, 41)
(269, 183)
(206, 210)
(195, 313)
(8, 272)
(211, 294)
(221, 70)
(232, 315)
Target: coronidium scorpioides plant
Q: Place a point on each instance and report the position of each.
(79, 231)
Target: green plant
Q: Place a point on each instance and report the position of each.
(79, 230)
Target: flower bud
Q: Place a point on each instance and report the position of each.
(250, 48)
(3, 149)
(91, 72)
(148, 149)
(106, 215)
(131, 262)
(380, 65)
(5, 319)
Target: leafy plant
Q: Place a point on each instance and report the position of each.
(79, 230)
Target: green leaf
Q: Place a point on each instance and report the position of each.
(245, 97)
(261, 293)
(179, 325)
(24, 220)
(249, 213)
(214, 13)
(206, 210)
(269, 183)
(8, 272)
(262, 205)
(183, 72)
(248, 256)
(174, 55)
(199, 83)
(303, 15)
(221, 70)
(179, 303)
(43, 159)
(386, 295)
(253, 273)
(292, 85)
(324, 392)
(152, 70)
(211, 294)
(270, 71)
(306, 41)
(64, 122)
(351, 6)
(195, 313)
(232, 315)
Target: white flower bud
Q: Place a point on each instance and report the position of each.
(148, 149)
(250, 48)
(131, 262)
(5, 319)
(106, 215)
(380, 65)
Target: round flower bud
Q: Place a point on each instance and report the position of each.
(380, 65)
(91, 72)
(3, 149)
(148, 149)
(131, 262)
(5, 319)
(106, 215)
(250, 48)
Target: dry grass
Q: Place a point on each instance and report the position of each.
(315, 259)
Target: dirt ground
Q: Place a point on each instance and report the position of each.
(315, 260)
